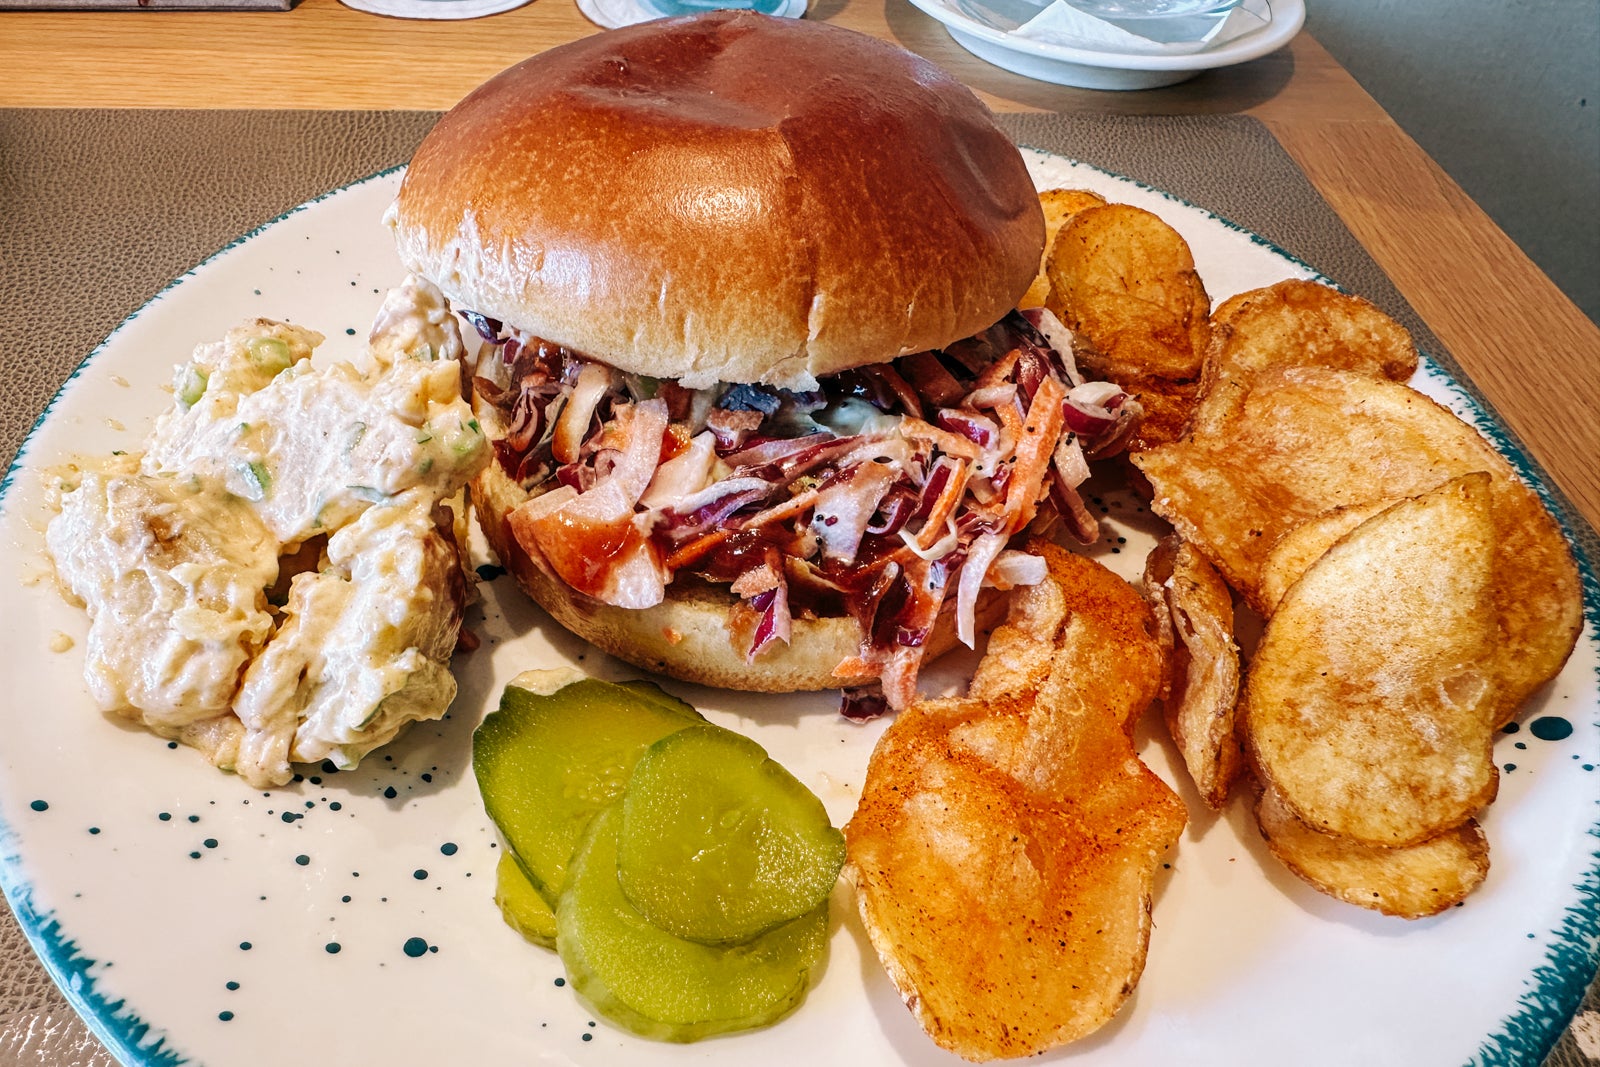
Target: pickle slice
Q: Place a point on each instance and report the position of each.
(664, 987)
(655, 694)
(718, 843)
(549, 758)
(521, 905)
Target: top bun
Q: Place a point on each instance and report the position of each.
(725, 197)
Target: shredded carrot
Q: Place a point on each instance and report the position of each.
(687, 554)
(944, 506)
(998, 372)
(1010, 423)
(697, 548)
(856, 667)
(1035, 445)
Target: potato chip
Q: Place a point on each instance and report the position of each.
(1124, 282)
(1304, 545)
(1201, 685)
(1059, 205)
(1368, 702)
(1306, 439)
(1410, 883)
(1113, 636)
(1005, 846)
(1296, 323)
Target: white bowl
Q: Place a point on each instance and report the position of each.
(1088, 69)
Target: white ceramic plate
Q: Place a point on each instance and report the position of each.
(1088, 69)
(349, 917)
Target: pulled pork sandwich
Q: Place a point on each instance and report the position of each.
(764, 416)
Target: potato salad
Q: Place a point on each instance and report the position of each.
(275, 579)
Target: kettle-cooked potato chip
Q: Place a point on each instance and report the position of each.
(1367, 699)
(1005, 847)
(1296, 323)
(1410, 883)
(1059, 205)
(1124, 281)
(1201, 685)
(1306, 439)
(1305, 544)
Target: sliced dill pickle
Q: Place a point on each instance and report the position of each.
(558, 749)
(718, 843)
(521, 905)
(652, 692)
(664, 987)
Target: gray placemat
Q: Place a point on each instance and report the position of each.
(100, 209)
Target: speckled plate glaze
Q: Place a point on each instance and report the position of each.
(193, 920)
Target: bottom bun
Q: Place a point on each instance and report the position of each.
(687, 635)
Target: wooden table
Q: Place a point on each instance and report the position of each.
(1530, 350)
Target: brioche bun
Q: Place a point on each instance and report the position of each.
(725, 197)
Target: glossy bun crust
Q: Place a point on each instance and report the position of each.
(725, 197)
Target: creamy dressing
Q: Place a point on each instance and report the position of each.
(173, 577)
(173, 552)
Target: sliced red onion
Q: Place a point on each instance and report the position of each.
(1097, 394)
(720, 490)
(862, 703)
(526, 421)
(845, 508)
(896, 508)
(680, 526)
(775, 623)
(1130, 413)
(1034, 365)
(1013, 568)
(821, 449)
(776, 449)
(1080, 523)
(684, 475)
(575, 476)
(992, 396)
(982, 552)
(946, 544)
(936, 483)
(1060, 339)
(572, 425)
(1070, 465)
(1087, 422)
(979, 429)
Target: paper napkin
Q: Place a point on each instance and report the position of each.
(1062, 24)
